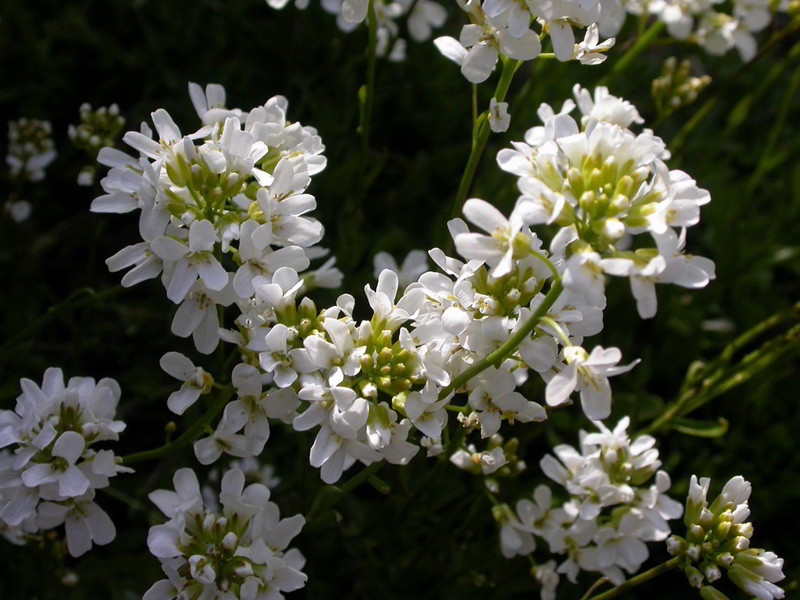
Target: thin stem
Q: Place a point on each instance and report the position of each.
(640, 579)
(510, 345)
(480, 135)
(778, 127)
(644, 42)
(187, 436)
(595, 586)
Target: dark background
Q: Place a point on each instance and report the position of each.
(431, 537)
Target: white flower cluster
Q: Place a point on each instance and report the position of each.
(364, 385)
(611, 512)
(705, 23)
(98, 128)
(237, 199)
(603, 184)
(718, 537)
(50, 476)
(502, 28)
(422, 17)
(236, 551)
(30, 148)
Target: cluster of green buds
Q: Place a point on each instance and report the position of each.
(210, 543)
(200, 191)
(676, 87)
(502, 296)
(606, 191)
(30, 148)
(718, 538)
(98, 128)
(389, 366)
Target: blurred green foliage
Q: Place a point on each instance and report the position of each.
(432, 536)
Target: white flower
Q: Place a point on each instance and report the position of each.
(52, 430)
(196, 381)
(426, 411)
(245, 542)
(497, 248)
(84, 522)
(499, 119)
(588, 373)
(590, 51)
(192, 261)
(495, 399)
(210, 104)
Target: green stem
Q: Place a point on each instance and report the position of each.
(644, 42)
(497, 357)
(720, 375)
(774, 134)
(480, 135)
(187, 436)
(640, 579)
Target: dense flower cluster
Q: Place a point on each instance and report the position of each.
(421, 18)
(50, 476)
(234, 549)
(611, 511)
(502, 28)
(238, 198)
(98, 128)
(365, 384)
(718, 537)
(603, 185)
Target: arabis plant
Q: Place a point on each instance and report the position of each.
(57, 437)
(236, 548)
(717, 540)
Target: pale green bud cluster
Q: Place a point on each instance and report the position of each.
(98, 128)
(606, 192)
(718, 539)
(211, 545)
(388, 366)
(676, 87)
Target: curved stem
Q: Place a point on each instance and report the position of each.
(510, 345)
(480, 135)
(639, 579)
(187, 436)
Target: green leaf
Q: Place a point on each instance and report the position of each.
(707, 429)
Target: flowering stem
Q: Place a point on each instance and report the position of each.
(594, 587)
(509, 346)
(187, 436)
(640, 579)
(480, 135)
(644, 42)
